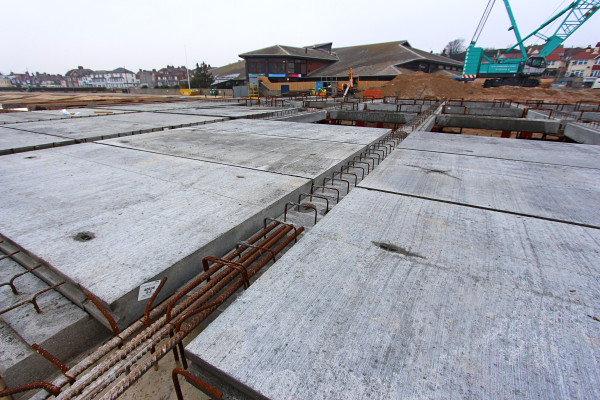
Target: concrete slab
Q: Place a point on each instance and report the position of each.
(16, 141)
(234, 112)
(151, 215)
(97, 128)
(328, 133)
(62, 328)
(372, 116)
(26, 116)
(499, 123)
(569, 154)
(82, 112)
(163, 106)
(392, 297)
(583, 134)
(549, 191)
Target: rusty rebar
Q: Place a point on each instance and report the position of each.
(48, 387)
(211, 391)
(337, 198)
(52, 358)
(9, 255)
(106, 313)
(32, 301)
(311, 195)
(122, 360)
(151, 300)
(253, 246)
(11, 282)
(136, 373)
(299, 205)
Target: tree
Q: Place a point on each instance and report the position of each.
(454, 48)
(202, 78)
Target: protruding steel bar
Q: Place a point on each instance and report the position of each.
(211, 391)
(32, 301)
(333, 178)
(106, 313)
(231, 264)
(53, 359)
(284, 223)
(361, 162)
(151, 300)
(9, 255)
(337, 199)
(253, 246)
(341, 174)
(311, 195)
(134, 375)
(299, 205)
(11, 283)
(48, 387)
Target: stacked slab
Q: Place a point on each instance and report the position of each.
(462, 267)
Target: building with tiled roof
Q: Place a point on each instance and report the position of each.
(380, 61)
(581, 65)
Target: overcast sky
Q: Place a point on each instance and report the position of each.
(54, 36)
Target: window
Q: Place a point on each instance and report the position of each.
(276, 67)
(256, 67)
(596, 73)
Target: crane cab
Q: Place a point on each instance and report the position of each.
(534, 66)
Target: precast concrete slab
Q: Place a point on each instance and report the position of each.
(81, 112)
(392, 297)
(89, 129)
(237, 144)
(372, 116)
(163, 106)
(499, 123)
(555, 192)
(61, 327)
(26, 116)
(328, 133)
(16, 141)
(581, 133)
(110, 219)
(487, 111)
(235, 112)
(306, 116)
(567, 154)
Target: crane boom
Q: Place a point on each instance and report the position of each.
(519, 71)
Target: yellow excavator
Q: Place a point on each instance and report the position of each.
(348, 88)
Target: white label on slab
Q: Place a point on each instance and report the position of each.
(147, 290)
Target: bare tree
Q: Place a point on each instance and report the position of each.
(454, 48)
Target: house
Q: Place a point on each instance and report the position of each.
(581, 64)
(80, 77)
(119, 78)
(5, 81)
(165, 77)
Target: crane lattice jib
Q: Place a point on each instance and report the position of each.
(578, 15)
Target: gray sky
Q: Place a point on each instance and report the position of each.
(56, 35)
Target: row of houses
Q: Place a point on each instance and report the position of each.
(80, 77)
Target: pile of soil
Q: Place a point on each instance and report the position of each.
(421, 85)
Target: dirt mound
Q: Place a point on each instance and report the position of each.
(420, 85)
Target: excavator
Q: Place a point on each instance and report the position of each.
(523, 71)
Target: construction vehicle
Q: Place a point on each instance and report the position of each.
(350, 87)
(524, 70)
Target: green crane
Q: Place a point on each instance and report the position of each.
(524, 70)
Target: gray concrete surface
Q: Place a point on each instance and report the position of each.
(567, 154)
(152, 215)
(112, 125)
(62, 328)
(234, 111)
(164, 106)
(16, 141)
(26, 116)
(371, 116)
(308, 117)
(582, 134)
(558, 192)
(328, 133)
(486, 111)
(498, 123)
(295, 157)
(392, 297)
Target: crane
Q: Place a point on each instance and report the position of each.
(523, 71)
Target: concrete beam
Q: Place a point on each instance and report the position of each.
(582, 134)
(371, 116)
(496, 123)
(308, 117)
(487, 111)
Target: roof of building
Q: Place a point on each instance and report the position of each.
(230, 71)
(378, 59)
(286, 51)
(585, 55)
